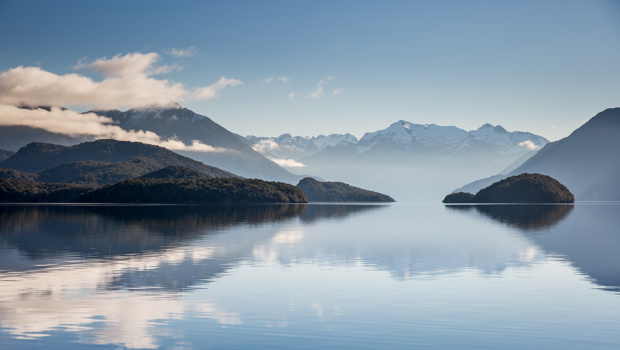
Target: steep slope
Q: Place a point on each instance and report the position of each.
(4, 154)
(588, 155)
(585, 158)
(102, 161)
(180, 123)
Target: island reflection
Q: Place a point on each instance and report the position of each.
(521, 216)
(584, 234)
(100, 231)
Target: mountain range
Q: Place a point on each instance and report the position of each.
(187, 126)
(587, 161)
(170, 122)
(404, 137)
(98, 162)
(412, 161)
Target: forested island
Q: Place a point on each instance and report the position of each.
(318, 191)
(523, 188)
(196, 190)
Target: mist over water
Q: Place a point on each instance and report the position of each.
(408, 180)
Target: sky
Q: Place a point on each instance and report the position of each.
(319, 67)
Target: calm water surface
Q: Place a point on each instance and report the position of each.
(310, 276)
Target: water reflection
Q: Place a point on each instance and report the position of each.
(100, 231)
(114, 275)
(71, 267)
(590, 239)
(317, 212)
(524, 217)
(587, 236)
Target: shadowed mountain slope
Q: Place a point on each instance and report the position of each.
(587, 161)
(99, 162)
(230, 153)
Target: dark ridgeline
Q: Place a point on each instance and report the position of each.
(102, 161)
(318, 191)
(197, 190)
(16, 191)
(587, 161)
(523, 188)
(206, 190)
(176, 172)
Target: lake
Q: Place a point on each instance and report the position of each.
(310, 276)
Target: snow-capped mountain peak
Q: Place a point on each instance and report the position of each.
(405, 133)
(404, 136)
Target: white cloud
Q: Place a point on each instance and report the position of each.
(264, 146)
(127, 82)
(90, 125)
(131, 64)
(337, 91)
(291, 95)
(318, 93)
(210, 92)
(288, 163)
(326, 79)
(120, 66)
(529, 145)
(281, 79)
(190, 51)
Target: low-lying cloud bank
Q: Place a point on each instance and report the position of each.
(128, 82)
(264, 146)
(287, 163)
(89, 125)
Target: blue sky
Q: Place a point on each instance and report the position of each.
(344, 66)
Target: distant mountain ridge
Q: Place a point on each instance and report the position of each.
(407, 137)
(176, 122)
(587, 161)
(296, 147)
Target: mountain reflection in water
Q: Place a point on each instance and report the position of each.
(138, 276)
(586, 234)
(112, 230)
